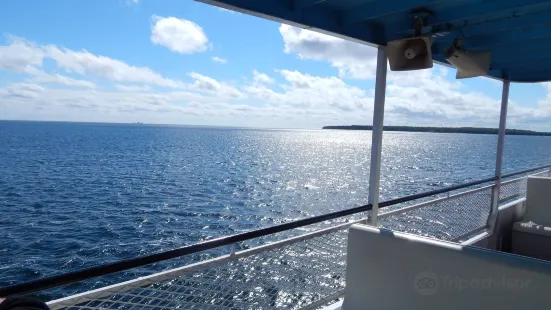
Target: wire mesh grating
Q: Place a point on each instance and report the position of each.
(294, 275)
(445, 219)
(513, 189)
(291, 276)
(516, 188)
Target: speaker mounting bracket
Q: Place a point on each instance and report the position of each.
(419, 20)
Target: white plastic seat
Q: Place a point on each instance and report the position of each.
(393, 270)
(532, 236)
(538, 201)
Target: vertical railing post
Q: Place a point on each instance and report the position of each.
(377, 134)
(499, 155)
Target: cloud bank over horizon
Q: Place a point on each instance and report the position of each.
(46, 81)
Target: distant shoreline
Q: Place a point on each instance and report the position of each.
(469, 130)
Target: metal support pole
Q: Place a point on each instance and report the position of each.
(377, 134)
(499, 154)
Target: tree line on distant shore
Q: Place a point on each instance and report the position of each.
(470, 130)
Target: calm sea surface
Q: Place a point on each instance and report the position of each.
(74, 195)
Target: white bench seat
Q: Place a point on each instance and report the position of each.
(532, 235)
(393, 270)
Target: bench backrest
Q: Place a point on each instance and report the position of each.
(392, 270)
(538, 201)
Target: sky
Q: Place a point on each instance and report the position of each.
(184, 62)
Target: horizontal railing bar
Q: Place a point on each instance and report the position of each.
(511, 204)
(431, 202)
(102, 270)
(512, 180)
(525, 171)
(180, 271)
(434, 192)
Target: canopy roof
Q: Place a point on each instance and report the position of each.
(516, 31)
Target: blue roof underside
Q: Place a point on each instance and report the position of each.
(518, 32)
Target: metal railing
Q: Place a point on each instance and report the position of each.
(448, 218)
(299, 272)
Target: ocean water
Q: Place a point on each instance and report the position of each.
(74, 195)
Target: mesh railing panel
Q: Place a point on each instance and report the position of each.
(445, 219)
(296, 274)
(512, 190)
(290, 277)
(516, 188)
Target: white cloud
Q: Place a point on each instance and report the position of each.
(178, 35)
(220, 60)
(538, 116)
(135, 90)
(84, 62)
(353, 60)
(21, 91)
(314, 93)
(208, 101)
(43, 77)
(20, 56)
(302, 100)
(132, 88)
(32, 101)
(426, 97)
(102, 100)
(262, 78)
(207, 84)
(169, 107)
(547, 87)
(24, 57)
(419, 98)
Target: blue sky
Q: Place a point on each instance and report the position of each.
(190, 63)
